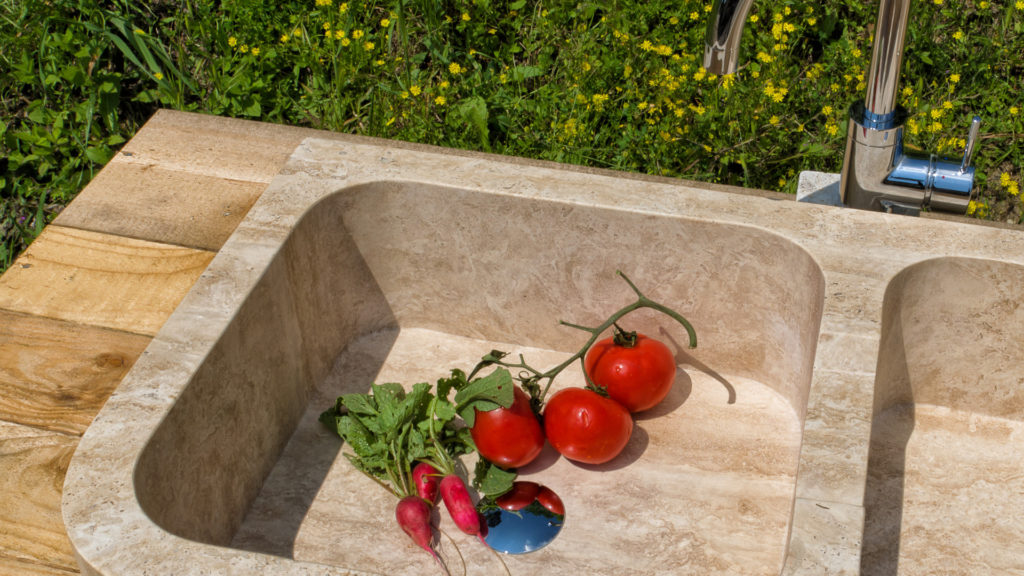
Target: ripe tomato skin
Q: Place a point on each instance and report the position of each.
(509, 437)
(638, 377)
(586, 427)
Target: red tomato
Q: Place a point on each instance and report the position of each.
(585, 426)
(551, 501)
(521, 495)
(509, 437)
(637, 377)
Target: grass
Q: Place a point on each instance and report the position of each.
(612, 83)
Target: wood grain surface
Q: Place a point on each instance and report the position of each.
(154, 203)
(56, 375)
(101, 279)
(32, 467)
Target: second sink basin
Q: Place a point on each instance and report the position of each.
(946, 466)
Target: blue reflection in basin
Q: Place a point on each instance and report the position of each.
(521, 531)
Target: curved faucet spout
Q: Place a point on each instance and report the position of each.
(877, 175)
(725, 29)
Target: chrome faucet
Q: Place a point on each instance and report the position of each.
(877, 173)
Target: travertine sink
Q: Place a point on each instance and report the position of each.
(365, 263)
(946, 465)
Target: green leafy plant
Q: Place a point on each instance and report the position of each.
(599, 83)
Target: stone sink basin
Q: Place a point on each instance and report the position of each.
(853, 406)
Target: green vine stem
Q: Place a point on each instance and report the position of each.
(530, 378)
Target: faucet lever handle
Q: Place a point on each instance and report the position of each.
(972, 137)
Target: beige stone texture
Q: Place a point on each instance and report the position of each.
(820, 330)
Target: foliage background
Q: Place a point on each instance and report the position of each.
(609, 83)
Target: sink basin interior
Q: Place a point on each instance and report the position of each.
(946, 461)
(398, 282)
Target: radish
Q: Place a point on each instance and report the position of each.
(413, 515)
(460, 505)
(424, 478)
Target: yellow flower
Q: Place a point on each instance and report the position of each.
(764, 57)
(158, 76)
(1004, 179)
(385, 23)
(752, 19)
(345, 41)
(284, 38)
(323, 2)
(696, 15)
(982, 5)
(812, 21)
(232, 41)
(444, 84)
(774, 120)
(1014, 110)
(947, 105)
(1019, 5)
(673, 20)
(343, 7)
(958, 35)
(936, 113)
(646, 45)
(935, 127)
(243, 48)
(832, 128)
(954, 78)
(327, 25)
(415, 90)
(454, 68)
(465, 17)
(440, 100)
(357, 34)
(972, 206)
(368, 46)
(255, 50)
(339, 34)
(826, 110)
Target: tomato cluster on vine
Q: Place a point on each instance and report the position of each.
(626, 373)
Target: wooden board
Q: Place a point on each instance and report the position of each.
(56, 375)
(225, 148)
(101, 279)
(16, 567)
(154, 203)
(32, 468)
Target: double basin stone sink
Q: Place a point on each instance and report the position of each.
(855, 404)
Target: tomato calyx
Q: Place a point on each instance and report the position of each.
(623, 338)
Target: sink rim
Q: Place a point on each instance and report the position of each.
(118, 433)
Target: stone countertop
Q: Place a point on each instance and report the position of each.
(83, 302)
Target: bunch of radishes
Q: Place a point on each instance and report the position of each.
(413, 511)
(408, 442)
